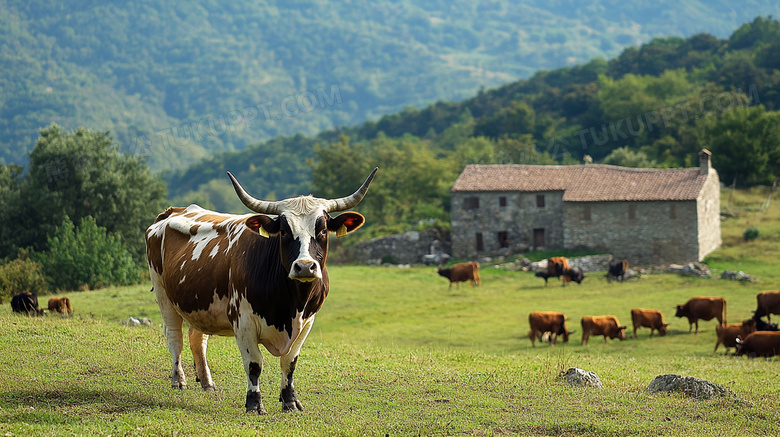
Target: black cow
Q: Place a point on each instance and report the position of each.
(617, 269)
(26, 303)
(761, 325)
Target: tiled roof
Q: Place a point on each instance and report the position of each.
(585, 183)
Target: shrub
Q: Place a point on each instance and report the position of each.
(87, 256)
(19, 275)
(750, 234)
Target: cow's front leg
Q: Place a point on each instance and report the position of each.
(253, 366)
(287, 396)
(198, 345)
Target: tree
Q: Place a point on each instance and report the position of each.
(88, 256)
(82, 174)
(625, 157)
(745, 144)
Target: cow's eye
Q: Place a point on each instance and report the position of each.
(323, 232)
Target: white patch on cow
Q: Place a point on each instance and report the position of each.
(214, 251)
(202, 238)
(181, 281)
(303, 227)
(234, 230)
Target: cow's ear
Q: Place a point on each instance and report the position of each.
(345, 223)
(262, 225)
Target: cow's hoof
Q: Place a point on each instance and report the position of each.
(260, 411)
(209, 388)
(254, 404)
(292, 406)
(178, 386)
(289, 400)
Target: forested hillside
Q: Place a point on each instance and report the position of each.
(654, 105)
(176, 81)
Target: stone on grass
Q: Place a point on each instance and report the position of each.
(689, 386)
(581, 378)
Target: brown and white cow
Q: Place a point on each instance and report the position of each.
(259, 277)
(768, 303)
(728, 333)
(550, 322)
(704, 308)
(461, 273)
(60, 305)
(608, 326)
(652, 319)
(760, 344)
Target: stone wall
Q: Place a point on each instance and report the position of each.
(518, 219)
(658, 233)
(407, 248)
(709, 216)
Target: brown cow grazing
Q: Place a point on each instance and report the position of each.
(608, 326)
(704, 308)
(60, 305)
(760, 344)
(768, 304)
(652, 319)
(461, 273)
(543, 322)
(728, 334)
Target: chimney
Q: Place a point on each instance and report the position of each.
(704, 161)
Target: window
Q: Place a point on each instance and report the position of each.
(502, 201)
(540, 200)
(631, 211)
(586, 213)
(471, 203)
(480, 245)
(503, 239)
(672, 211)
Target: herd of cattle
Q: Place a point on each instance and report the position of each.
(752, 337)
(27, 303)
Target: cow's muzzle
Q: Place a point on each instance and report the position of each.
(305, 271)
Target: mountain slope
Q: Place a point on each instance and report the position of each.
(177, 81)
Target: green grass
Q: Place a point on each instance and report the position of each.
(395, 352)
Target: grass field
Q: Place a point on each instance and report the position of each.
(394, 352)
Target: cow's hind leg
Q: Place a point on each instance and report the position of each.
(172, 326)
(287, 395)
(198, 345)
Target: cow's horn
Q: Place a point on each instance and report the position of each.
(256, 205)
(345, 203)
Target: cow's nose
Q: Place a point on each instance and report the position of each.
(305, 270)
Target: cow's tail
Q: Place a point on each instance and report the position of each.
(723, 316)
(67, 305)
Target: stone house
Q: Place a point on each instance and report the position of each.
(649, 216)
